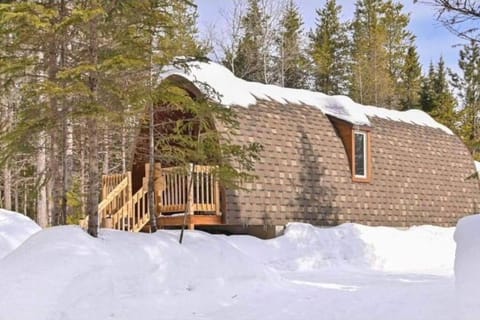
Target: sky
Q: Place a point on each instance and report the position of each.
(432, 41)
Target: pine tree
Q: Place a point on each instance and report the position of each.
(291, 56)
(85, 70)
(250, 59)
(380, 45)
(436, 97)
(96, 57)
(329, 50)
(468, 88)
(409, 86)
(184, 35)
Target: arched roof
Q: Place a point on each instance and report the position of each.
(221, 85)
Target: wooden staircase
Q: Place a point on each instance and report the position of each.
(119, 209)
(176, 192)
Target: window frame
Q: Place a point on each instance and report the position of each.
(366, 155)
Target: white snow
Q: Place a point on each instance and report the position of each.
(14, 229)
(222, 86)
(467, 265)
(477, 165)
(346, 272)
(305, 248)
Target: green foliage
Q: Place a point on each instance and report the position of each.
(411, 75)
(329, 50)
(291, 58)
(380, 46)
(249, 55)
(201, 135)
(436, 97)
(468, 89)
(83, 65)
(75, 202)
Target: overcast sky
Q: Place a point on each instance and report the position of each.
(433, 40)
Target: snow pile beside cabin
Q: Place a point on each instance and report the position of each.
(303, 247)
(15, 228)
(467, 264)
(221, 85)
(63, 273)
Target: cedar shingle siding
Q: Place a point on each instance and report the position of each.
(418, 173)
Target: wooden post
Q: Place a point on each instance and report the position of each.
(190, 183)
(217, 198)
(129, 197)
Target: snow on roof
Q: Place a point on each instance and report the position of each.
(232, 91)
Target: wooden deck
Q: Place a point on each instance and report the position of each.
(195, 191)
(191, 221)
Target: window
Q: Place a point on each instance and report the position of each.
(357, 142)
(360, 157)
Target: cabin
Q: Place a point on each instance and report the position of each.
(326, 160)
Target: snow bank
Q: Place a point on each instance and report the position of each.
(425, 249)
(230, 90)
(467, 265)
(62, 273)
(15, 228)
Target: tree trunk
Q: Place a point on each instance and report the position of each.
(15, 196)
(151, 172)
(67, 169)
(93, 170)
(7, 186)
(124, 150)
(67, 165)
(55, 149)
(93, 178)
(83, 189)
(106, 152)
(42, 212)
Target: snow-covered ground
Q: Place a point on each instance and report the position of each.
(347, 272)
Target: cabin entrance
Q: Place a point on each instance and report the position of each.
(182, 195)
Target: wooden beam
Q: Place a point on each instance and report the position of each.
(200, 220)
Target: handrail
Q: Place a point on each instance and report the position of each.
(176, 190)
(130, 212)
(109, 182)
(175, 195)
(113, 194)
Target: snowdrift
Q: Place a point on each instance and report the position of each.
(303, 247)
(15, 228)
(467, 265)
(64, 273)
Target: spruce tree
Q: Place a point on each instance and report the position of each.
(436, 96)
(410, 80)
(251, 57)
(468, 88)
(291, 58)
(84, 70)
(329, 50)
(380, 44)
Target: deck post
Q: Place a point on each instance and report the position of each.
(217, 197)
(190, 182)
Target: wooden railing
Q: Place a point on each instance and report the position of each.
(111, 181)
(176, 190)
(117, 198)
(119, 209)
(140, 211)
(196, 190)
